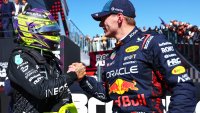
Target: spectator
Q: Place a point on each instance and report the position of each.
(104, 43)
(26, 5)
(7, 10)
(144, 29)
(96, 43)
(18, 7)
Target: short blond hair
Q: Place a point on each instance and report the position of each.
(130, 21)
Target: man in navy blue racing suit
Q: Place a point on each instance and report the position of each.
(140, 69)
(34, 72)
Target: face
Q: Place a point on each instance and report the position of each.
(110, 25)
(23, 1)
(16, 1)
(5, 1)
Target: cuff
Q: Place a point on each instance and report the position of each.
(82, 81)
(72, 76)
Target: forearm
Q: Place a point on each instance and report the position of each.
(183, 99)
(94, 88)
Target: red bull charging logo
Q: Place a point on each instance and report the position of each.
(121, 86)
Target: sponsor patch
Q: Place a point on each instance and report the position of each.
(128, 101)
(24, 68)
(173, 62)
(169, 55)
(18, 59)
(130, 57)
(122, 71)
(133, 33)
(110, 64)
(131, 49)
(140, 39)
(167, 49)
(56, 90)
(148, 39)
(164, 44)
(129, 62)
(178, 70)
(112, 56)
(121, 86)
(183, 78)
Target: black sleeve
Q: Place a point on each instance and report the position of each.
(13, 7)
(23, 70)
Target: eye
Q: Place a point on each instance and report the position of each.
(51, 33)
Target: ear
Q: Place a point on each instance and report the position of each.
(120, 17)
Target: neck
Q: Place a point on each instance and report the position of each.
(123, 32)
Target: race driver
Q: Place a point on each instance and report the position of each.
(34, 72)
(140, 69)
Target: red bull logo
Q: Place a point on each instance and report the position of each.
(120, 86)
(126, 101)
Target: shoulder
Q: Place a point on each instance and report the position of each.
(153, 40)
(28, 5)
(21, 55)
(11, 3)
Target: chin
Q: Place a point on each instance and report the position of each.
(108, 35)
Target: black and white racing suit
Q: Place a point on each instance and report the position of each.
(37, 81)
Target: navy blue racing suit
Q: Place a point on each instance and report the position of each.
(138, 73)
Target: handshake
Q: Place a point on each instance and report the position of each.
(79, 69)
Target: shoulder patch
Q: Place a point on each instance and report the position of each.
(147, 40)
(112, 56)
(18, 59)
(132, 48)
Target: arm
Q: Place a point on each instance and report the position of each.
(13, 8)
(89, 84)
(174, 73)
(94, 88)
(23, 71)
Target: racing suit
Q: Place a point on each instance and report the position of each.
(137, 74)
(37, 81)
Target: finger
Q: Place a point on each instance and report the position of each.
(83, 63)
(75, 63)
(71, 66)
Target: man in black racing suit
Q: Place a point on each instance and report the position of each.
(140, 69)
(34, 72)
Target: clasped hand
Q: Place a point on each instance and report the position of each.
(78, 68)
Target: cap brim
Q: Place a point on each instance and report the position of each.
(98, 16)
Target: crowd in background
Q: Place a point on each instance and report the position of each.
(176, 31)
(182, 30)
(102, 43)
(8, 10)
